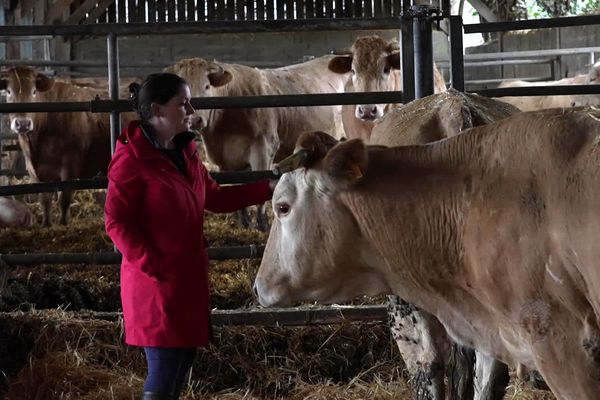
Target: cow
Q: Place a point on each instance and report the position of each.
(14, 214)
(493, 231)
(420, 337)
(57, 146)
(374, 64)
(530, 103)
(236, 139)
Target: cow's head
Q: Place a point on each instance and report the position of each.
(315, 250)
(24, 85)
(204, 78)
(371, 61)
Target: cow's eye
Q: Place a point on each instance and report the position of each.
(282, 209)
(34, 92)
(353, 71)
(207, 87)
(8, 91)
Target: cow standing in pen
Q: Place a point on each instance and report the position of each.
(57, 146)
(425, 347)
(530, 103)
(493, 231)
(241, 138)
(372, 64)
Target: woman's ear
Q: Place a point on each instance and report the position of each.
(156, 109)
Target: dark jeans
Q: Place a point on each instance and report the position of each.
(167, 369)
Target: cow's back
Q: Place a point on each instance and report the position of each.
(437, 117)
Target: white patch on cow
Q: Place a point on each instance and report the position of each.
(346, 265)
(549, 271)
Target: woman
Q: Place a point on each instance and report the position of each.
(157, 193)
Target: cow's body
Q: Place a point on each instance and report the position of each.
(57, 145)
(241, 138)
(421, 339)
(531, 103)
(14, 214)
(493, 231)
(374, 64)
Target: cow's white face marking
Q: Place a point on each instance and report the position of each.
(315, 250)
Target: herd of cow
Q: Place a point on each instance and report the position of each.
(489, 234)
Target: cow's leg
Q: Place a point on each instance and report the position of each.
(261, 154)
(491, 378)
(46, 201)
(423, 344)
(64, 200)
(460, 374)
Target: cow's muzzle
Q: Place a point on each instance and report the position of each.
(368, 112)
(21, 125)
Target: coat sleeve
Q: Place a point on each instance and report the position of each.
(121, 212)
(223, 199)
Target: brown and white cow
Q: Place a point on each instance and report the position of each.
(57, 145)
(530, 103)
(241, 138)
(421, 339)
(493, 231)
(13, 213)
(374, 64)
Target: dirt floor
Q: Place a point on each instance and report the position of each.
(59, 337)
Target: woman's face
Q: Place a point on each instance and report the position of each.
(176, 115)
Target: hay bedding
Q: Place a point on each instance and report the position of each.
(49, 353)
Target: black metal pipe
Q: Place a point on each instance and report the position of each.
(291, 100)
(540, 90)
(101, 182)
(112, 46)
(208, 27)
(423, 50)
(457, 62)
(110, 257)
(408, 61)
(533, 24)
(81, 63)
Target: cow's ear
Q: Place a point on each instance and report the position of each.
(317, 144)
(220, 78)
(346, 163)
(43, 83)
(394, 60)
(341, 64)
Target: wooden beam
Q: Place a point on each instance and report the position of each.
(79, 13)
(57, 10)
(484, 10)
(98, 11)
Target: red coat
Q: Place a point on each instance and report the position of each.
(154, 215)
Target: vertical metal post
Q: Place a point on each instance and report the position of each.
(423, 50)
(457, 64)
(408, 66)
(112, 45)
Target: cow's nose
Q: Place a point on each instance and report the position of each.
(22, 125)
(367, 112)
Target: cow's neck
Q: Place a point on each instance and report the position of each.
(410, 209)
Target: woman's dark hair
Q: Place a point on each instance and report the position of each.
(156, 88)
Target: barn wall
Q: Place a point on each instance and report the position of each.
(565, 66)
(264, 50)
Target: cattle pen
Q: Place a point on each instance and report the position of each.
(413, 24)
